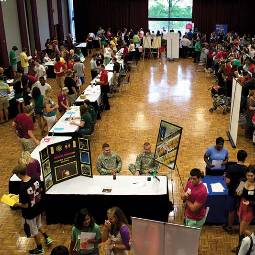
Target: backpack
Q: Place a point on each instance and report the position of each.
(251, 245)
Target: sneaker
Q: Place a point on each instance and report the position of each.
(48, 240)
(36, 251)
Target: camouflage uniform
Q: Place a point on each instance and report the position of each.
(105, 164)
(144, 161)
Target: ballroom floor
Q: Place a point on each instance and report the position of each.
(172, 91)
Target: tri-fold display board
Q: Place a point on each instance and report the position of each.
(65, 160)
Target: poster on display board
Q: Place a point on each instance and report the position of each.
(65, 160)
(221, 28)
(167, 145)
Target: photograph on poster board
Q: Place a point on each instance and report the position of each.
(86, 170)
(48, 181)
(46, 168)
(83, 144)
(66, 170)
(168, 144)
(84, 157)
(44, 154)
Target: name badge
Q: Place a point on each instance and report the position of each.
(250, 192)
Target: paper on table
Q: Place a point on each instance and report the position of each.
(217, 187)
(206, 187)
(217, 163)
(10, 199)
(85, 236)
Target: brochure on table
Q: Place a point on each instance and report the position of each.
(168, 142)
(65, 160)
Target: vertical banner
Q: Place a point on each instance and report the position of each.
(65, 160)
(167, 145)
(235, 112)
(153, 237)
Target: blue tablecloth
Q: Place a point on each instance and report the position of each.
(217, 201)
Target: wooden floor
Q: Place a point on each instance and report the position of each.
(172, 91)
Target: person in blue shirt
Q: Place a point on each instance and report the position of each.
(216, 158)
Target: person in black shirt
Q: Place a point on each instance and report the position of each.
(234, 174)
(70, 83)
(116, 71)
(30, 202)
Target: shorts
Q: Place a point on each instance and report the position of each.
(4, 103)
(34, 225)
(195, 223)
(14, 68)
(245, 212)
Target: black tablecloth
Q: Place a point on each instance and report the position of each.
(62, 208)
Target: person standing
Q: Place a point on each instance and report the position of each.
(216, 158)
(197, 50)
(79, 70)
(24, 60)
(105, 88)
(59, 70)
(70, 84)
(63, 104)
(116, 232)
(93, 67)
(24, 127)
(145, 163)
(84, 222)
(233, 176)
(42, 85)
(195, 196)
(4, 100)
(30, 202)
(108, 163)
(13, 59)
(116, 74)
(40, 70)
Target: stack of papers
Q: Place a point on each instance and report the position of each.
(217, 187)
(10, 199)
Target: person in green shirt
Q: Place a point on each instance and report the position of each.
(136, 40)
(145, 163)
(197, 49)
(13, 59)
(85, 123)
(85, 235)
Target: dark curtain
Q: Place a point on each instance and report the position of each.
(237, 14)
(89, 15)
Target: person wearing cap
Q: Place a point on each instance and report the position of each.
(63, 104)
(24, 128)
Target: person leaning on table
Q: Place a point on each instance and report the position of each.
(145, 163)
(108, 163)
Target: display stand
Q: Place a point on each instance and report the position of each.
(173, 45)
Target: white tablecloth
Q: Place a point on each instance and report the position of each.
(123, 185)
(92, 93)
(48, 140)
(63, 125)
(109, 67)
(81, 45)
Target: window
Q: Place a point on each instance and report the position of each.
(170, 14)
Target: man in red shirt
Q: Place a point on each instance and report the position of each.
(104, 84)
(24, 127)
(195, 195)
(59, 70)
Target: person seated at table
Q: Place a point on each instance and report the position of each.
(33, 165)
(4, 100)
(216, 158)
(108, 163)
(145, 163)
(105, 88)
(116, 233)
(233, 175)
(246, 191)
(85, 124)
(63, 104)
(84, 222)
(195, 196)
(91, 111)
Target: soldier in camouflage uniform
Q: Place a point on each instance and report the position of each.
(145, 163)
(108, 163)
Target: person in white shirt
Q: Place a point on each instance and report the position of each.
(39, 70)
(107, 54)
(247, 246)
(185, 44)
(42, 85)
